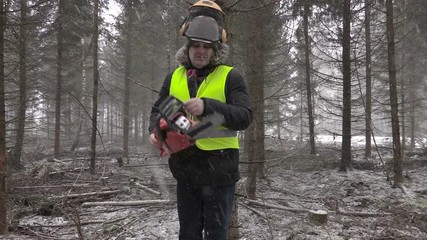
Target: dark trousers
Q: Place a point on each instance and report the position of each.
(205, 208)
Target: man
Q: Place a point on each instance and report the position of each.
(206, 172)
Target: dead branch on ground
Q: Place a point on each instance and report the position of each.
(253, 210)
(53, 186)
(355, 214)
(145, 188)
(276, 206)
(91, 194)
(362, 214)
(126, 203)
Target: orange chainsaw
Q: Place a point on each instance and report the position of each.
(176, 131)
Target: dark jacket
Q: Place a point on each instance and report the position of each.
(218, 167)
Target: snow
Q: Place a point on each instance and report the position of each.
(293, 180)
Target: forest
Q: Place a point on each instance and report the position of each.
(337, 148)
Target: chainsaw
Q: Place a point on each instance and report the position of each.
(176, 131)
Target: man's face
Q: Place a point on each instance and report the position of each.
(200, 54)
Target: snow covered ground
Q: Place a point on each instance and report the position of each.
(361, 204)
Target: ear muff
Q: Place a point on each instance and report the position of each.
(182, 28)
(223, 36)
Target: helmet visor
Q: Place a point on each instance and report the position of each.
(203, 29)
(209, 12)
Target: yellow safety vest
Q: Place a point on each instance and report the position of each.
(212, 87)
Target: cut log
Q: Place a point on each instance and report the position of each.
(127, 203)
(318, 217)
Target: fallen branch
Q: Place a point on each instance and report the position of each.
(73, 224)
(277, 206)
(85, 159)
(404, 190)
(68, 224)
(145, 188)
(356, 214)
(362, 214)
(90, 194)
(126, 225)
(77, 169)
(76, 219)
(127, 203)
(53, 186)
(39, 235)
(75, 182)
(68, 170)
(421, 191)
(146, 165)
(253, 210)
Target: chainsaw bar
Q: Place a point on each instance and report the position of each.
(203, 128)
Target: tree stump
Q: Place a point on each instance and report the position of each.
(318, 217)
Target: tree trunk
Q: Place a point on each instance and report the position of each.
(397, 166)
(81, 97)
(59, 60)
(128, 31)
(233, 230)
(111, 120)
(368, 94)
(346, 112)
(16, 159)
(279, 120)
(301, 117)
(307, 49)
(95, 86)
(403, 78)
(3, 159)
(136, 128)
(255, 75)
(412, 86)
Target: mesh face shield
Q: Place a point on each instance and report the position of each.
(203, 29)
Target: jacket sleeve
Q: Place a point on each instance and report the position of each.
(164, 92)
(237, 110)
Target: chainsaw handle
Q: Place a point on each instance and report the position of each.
(159, 145)
(154, 141)
(194, 106)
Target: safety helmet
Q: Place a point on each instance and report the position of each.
(209, 9)
(203, 29)
(208, 4)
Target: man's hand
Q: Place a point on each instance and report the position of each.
(194, 106)
(159, 145)
(154, 141)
